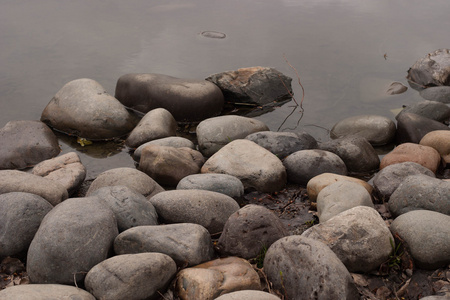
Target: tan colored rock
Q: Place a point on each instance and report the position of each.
(319, 182)
(209, 280)
(439, 140)
(423, 155)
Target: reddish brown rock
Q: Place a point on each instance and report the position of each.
(423, 155)
(439, 140)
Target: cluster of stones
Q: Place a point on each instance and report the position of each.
(138, 231)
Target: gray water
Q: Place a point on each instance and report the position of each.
(338, 48)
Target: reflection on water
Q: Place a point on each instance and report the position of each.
(337, 46)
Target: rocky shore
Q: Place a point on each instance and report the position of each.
(239, 212)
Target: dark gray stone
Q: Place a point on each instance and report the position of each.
(186, 99)
(437, 93)
(173, 141)
(44, 292)
(20, 215)
(430, 109)
(84, 109)
(26, 143)
(411, 128)
(431, 70)
(186, 243)
(73, 237)
(220, 183)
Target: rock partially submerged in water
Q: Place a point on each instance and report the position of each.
(431, 70)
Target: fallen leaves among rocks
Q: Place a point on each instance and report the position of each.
(12, 272)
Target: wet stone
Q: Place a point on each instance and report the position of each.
(437, 93)
(411, 128)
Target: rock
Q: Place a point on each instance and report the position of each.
(387, 180)
(248, 295)
(396, 88)
(156, 124)
(206, 208)
(20, 215)
(214, 133)
(73, 237)
(217, 277)
(132, 178)
(357, 153)
(378, 130)
(419, 192)
(303, 165)
(129, 207)
(188, 100)
(307, 269)
(84, 109)
(44, 292)
(411, 128)
(258, 85)
(18, 181)
(423, 155)
(283, 143)
(172, 141)
(437, 111)
(358, 236)
(437, 93)
(255, 166)
(131, 276)
(26, 143)
(66, 169)
(425, 234)
(431, 70)
(220, 183)
(319, 182)
(249, 231)
(168, 165)
(439, 140)
(341, 196)
(186, 243)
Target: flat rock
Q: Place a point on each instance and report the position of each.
(255, 166)
(378, 130)
(172, 141)
(303, 165)
(188, 100)
(18, 181)
(20, 215)
(418, 192)
(389, 178)
(168, 165)
(436, 93)
(73, 237)
(215, 278)
(358, 236)
(341, 196)
(248, 295)
(83, 108)
(249, 231)
(411, 128)
(439, 140)
(305, 268)
(44, 292)
(434, 110)
(423, 155)
(131, 276)
(214, 133)
(66, 169)
(186, 243)
(260, 85)
(283, 143)
(426, 236)
(206, 208)
(132, 178)
(26, 143)
(156, 124)
(221, 183)
(431, 70)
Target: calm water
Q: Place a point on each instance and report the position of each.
(337, 46)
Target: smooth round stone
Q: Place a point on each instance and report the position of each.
(378, 130)
(44, 292)
(439, 140)
(430, 109)
(248, 295)
(431, 70)
(423, 155)
(26, 143)
(84, 109)
(221, 183)
(188, 100)
(172, 141)
(437, 93)
(411, 128)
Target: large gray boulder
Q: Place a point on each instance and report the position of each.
(411, 128)
(434, 110)
(255, 166)
(358, 236)
(431, 70)
(425, 233)
(172, 141)
(436, 93)
(305, 268)
(83, 108)
(186, 243)
(214, 133)
(20, 215)
(18, 181)
(73, 237)
(221, 183)
(131, 276)
(26, 143)
(206, 208)
(186, 99)
(44, 292)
